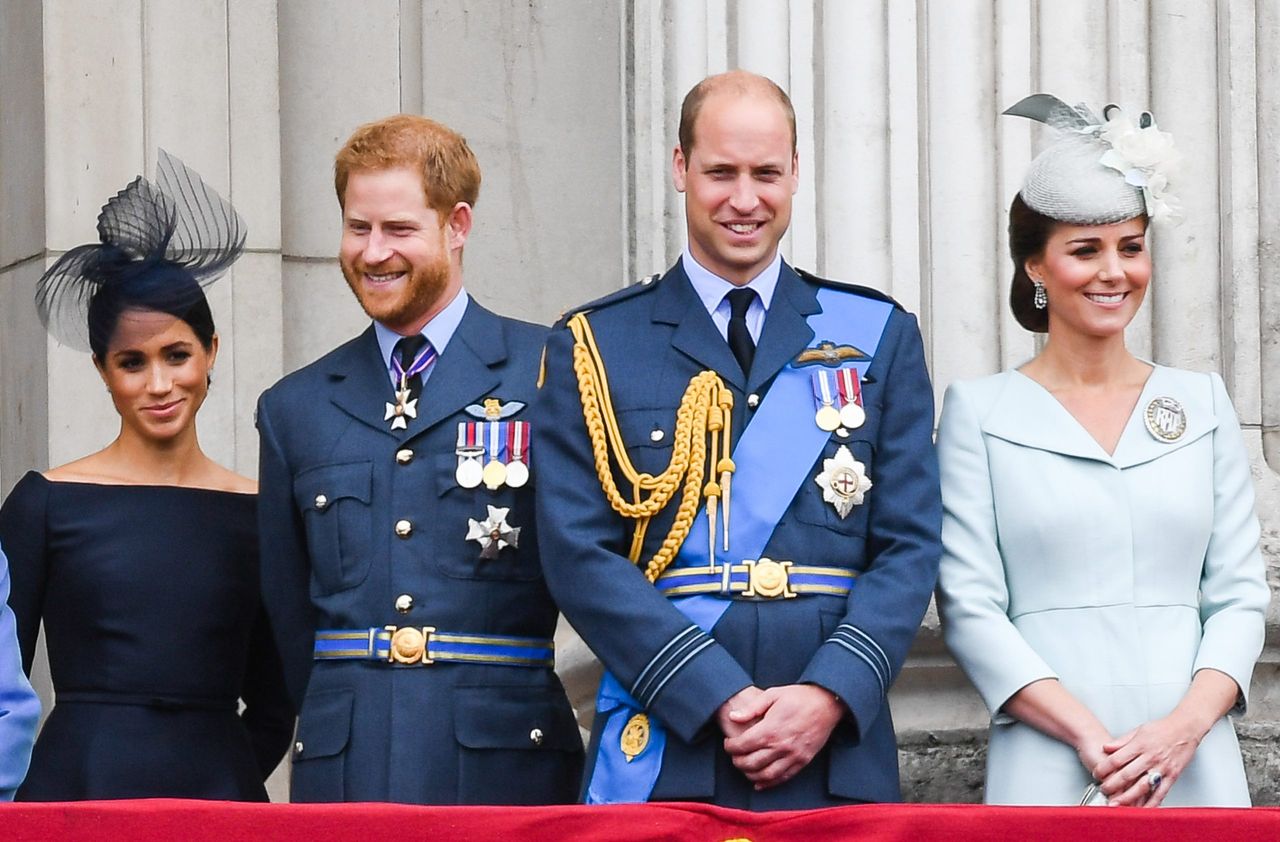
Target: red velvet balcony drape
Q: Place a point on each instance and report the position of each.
(196, 821)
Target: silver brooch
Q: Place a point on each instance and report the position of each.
(1166, 419)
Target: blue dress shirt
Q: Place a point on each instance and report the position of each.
(438, 332)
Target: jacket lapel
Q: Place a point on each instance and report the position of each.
(695, 335)
(785, 333)
(1027, 414)
(363, 386)
(463, 373)
(1138, 445)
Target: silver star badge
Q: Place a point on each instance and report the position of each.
(493, 533)
(401, 410)
(844, 481)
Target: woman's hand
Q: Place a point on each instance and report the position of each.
(1142, 765)
(1155, 752)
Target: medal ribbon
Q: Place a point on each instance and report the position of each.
(420, 363)
(848, 382)
(519, 438)
(497, 439)
(822, 391)
(773, 459)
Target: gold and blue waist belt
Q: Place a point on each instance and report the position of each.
(761, 578)
(424, 645)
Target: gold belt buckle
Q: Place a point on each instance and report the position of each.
(409, 644)
(768, 579)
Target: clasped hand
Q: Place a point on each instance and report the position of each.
(772, 734)
(1161, 745)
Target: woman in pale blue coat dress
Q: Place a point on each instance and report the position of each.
(1101, 583)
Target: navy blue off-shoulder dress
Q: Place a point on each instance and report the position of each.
(150, 602)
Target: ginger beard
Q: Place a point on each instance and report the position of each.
(399, 301)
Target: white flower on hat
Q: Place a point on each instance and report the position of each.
(1145, 156)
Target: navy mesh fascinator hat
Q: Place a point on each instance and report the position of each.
(161, 243)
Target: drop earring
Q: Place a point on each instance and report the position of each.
(1040, 300)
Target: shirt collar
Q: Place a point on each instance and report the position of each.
(711, 288)
(438, 331)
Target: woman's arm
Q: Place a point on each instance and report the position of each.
(268, 712)
(1050, 708)
(1164, 745)
(973, 595)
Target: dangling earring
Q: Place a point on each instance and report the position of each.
(208, 379)
(1040, 300)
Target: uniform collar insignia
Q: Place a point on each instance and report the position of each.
(493, 409)
(829, 354)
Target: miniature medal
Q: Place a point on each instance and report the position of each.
(852, 415)
(518, 467)
(1166, 419)
(470, 470)
(494, 475)
(517, 474)
(493, 533)
(843, 481)
(827, 416)
(495, 472)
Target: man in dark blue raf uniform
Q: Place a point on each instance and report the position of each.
(400, 563)
(740, 510)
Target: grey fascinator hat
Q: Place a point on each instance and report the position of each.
(160, 243)
(1099, 171)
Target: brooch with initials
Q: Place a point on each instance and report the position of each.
(1165, 418)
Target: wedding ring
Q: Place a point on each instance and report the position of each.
(1153, 779)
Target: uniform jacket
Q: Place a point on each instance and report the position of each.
(1120, 575)
(439, 733)
(19, 707)
(653, 339)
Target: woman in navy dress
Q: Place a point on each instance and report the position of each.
(142, 559)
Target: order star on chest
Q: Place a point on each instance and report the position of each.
(493, 534)
(844, 481)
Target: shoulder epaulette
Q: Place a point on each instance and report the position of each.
(858, 289)
(645, 284)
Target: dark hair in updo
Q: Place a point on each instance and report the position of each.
(1029, 232)
(157, 286)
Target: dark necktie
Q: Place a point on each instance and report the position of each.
(408, 351)
(740, 341)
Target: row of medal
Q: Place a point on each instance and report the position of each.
(837, 397)
(495, 453)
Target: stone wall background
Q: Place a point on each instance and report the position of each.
(571, 106)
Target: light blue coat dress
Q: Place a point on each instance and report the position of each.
(19, 706)
(1119, 575)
